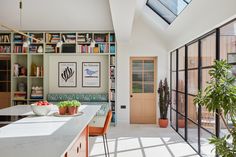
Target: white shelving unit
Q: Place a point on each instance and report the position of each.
(37, 53)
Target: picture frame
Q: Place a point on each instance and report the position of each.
(91, 74)
(67, 74)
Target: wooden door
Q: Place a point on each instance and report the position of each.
(143, 76)
(5, 81)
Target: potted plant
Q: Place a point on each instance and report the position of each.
(62, 107)
(164, 101)
(220, 96)
(73, 106)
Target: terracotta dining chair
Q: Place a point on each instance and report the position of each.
(102, 131)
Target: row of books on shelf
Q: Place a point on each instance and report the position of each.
(5, 49)
(19, 49)
(52, 38)
(35, 49)
(18, 38)
(113, 60)
(112, 96)
(85, 49)
(5, 38)
(112, 72)
(112, 83)
(113, 106)
(101, 37)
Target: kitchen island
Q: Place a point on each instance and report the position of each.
(46, 136)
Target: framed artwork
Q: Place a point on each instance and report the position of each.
(91, 76)
(67, 74)
(231, 57)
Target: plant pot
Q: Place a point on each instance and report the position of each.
(163, 123)
(181, 123)
(62, 110)
(72, 110)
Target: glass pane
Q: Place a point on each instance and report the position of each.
(208, 46)
(193, 82)
(173, 57)
(192, 109)
(193, 55)
(168, 9)
(149, 65)
(181, 125)
(181, 58)
(193, 134)
(149, 76)
(137, 76)
(208, 120)
(148, 88)
(137, 87)
(205, 78)
(181, 83)
(181, 103)
(227, 41)
(173, 121)
(159, 8)
(173, 81)
(173, 99)
(176, 6)
(137, 65)
(206, 148)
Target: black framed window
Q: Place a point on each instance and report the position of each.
(168, 10)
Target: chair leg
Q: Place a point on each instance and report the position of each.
(104, 143)
(107, 146)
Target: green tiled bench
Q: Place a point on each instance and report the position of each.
(85, 99)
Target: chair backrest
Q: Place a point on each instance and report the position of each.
(107, 122)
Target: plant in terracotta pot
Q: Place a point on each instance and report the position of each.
(62, 106)
(220, 97)
(73, 106)
(164, 102)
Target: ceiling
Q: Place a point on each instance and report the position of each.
(199, 17)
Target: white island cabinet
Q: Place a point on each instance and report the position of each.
(46, 136)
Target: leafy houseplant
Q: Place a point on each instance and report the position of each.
(220, 95)
(73, 107)
(68, 107)
(164, 102)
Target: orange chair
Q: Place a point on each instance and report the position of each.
(102, 131)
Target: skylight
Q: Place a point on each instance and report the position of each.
(168, 10)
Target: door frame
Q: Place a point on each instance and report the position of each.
(155, 81)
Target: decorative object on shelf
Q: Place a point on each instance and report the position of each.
(68, 107)
(36, 92)
(23, 71)
(91, 74)
(164, 102)
(16, 69)
(41, 108)
(40, 49)
(67, 74)
(21, 86)
(219, 95)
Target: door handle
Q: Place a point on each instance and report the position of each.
(131, 96)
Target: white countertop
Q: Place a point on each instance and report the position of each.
(42, 136)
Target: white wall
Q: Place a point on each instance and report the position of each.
(200, 17)
(143, 42)
(52, 67)
(80, 15)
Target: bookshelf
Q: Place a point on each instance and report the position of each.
(26, 80)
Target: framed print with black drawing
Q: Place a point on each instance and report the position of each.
(67, 74)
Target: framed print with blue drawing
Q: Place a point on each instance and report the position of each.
(67, 74)
(91, 76)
